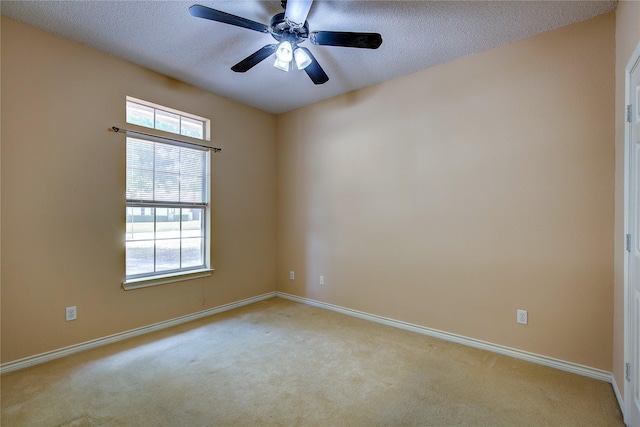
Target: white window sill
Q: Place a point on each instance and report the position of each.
(145, 282)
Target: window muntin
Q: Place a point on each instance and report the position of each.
(167, 196)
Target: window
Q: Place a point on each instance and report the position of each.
(167, 192)
(152, 116)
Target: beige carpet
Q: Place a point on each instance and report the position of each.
(278, 362)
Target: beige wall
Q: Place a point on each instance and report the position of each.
(63, 195)
(448, 198)
(627, 38)
(451, 197)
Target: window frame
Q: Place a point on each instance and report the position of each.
(206, 123)
(140, 280)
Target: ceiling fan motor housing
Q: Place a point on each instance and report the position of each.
(281, 30)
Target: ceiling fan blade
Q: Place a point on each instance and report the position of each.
(345, 39)
(297, 11)
(255, 58)
(216, 15)
(314, 70)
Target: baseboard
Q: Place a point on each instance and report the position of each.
(472, 342)
(616, 390)
(76, 348)
(496, 348)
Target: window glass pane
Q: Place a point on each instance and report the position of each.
(129, 224)
(168, 224)
(139, 114)
(139, 257)
(193, 128)
(192, 252)
(143, 115)
(167, 122)
(192, 222)
(167, 254)
(140, 223)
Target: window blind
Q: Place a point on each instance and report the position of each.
(165, 173)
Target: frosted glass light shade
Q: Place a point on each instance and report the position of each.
(302, 59)
(285, 52)
(284, 55)
(282, 65)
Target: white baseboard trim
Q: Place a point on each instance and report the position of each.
(616, 390)
(496, 348)
(472, 342)
(76, 348)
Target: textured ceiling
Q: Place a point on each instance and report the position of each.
(162, 36)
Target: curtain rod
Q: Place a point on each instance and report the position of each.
(120, 130)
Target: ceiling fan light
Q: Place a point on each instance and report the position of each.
(285, 52)
(302, 59)
(284, 55)
(282, 65)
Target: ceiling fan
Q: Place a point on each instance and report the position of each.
(290, 29)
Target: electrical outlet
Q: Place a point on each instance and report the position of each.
(522, 317)
(71, 313)
(322, 280)
(292, 275)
